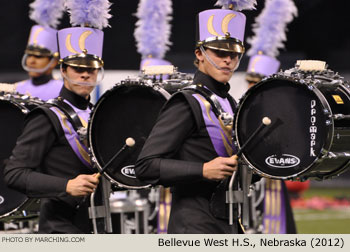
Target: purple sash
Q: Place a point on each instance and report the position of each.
(45, 92)
(220, 135)
(274, 220)
(79, 148)
(164, 210)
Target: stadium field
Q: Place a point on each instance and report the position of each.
(327, 211)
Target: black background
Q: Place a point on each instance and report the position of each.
(319, 32)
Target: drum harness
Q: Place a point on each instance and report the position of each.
(94, 211)
(215, 104)
(71, 115)
(239, 196)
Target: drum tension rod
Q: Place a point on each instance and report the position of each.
(340, 116)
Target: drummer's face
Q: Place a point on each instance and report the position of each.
(81, 74)
(38, 62)
(226, 61)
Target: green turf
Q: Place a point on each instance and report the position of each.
(327, 192)
(327, 221)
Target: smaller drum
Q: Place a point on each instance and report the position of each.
(129, 109)
(13, 108)
(309, 136)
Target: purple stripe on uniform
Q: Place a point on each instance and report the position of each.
(71, 135)
(213, 126)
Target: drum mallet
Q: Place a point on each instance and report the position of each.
(129, 142)
(264, 122)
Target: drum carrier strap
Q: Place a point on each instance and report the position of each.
(71, 115)
(215, 104)
(219, 196)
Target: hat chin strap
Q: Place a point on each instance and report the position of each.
(214, 64)
(82, 83)
(36, 70)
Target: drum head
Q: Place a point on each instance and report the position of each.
(122, 112)
(11, 126)
(298, 131)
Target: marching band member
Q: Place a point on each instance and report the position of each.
(41, 54)
(50, 160)
(190, 148)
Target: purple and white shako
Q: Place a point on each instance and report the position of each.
(42, 41)
(221, 29)
(260, 66)
(81, 47)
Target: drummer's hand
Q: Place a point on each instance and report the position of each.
(220, 168)
(82, 185)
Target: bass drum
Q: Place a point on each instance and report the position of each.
(13, 108)
(129, 109)
(309, 134)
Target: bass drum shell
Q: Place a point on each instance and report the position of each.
(129, 109)
(302, 131)
(13, 109)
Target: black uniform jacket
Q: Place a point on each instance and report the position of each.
(41, 165)
(174, 155)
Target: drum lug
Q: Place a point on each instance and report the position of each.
(310, 86)
(332, 155)
(324, 152)
(328, 122)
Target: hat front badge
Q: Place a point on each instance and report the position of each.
(81, 42)
(36, 34)
(224, 24)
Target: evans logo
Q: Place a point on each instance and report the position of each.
(1, 200)
(283, 161)
(129, 171)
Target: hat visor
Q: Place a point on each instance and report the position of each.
(225, 46)
(254, 77)
(38, 51)
(83, 60)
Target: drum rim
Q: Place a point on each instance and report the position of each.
(324, 103)
(17, 104)
(17, 99)
(15, 209)
(155, 87)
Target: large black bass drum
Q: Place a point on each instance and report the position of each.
(13, 108)
(309, 134)
(128, 110)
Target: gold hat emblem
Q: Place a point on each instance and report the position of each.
(224, 24)
(81, 42)
(256, 59)
(36, 34)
